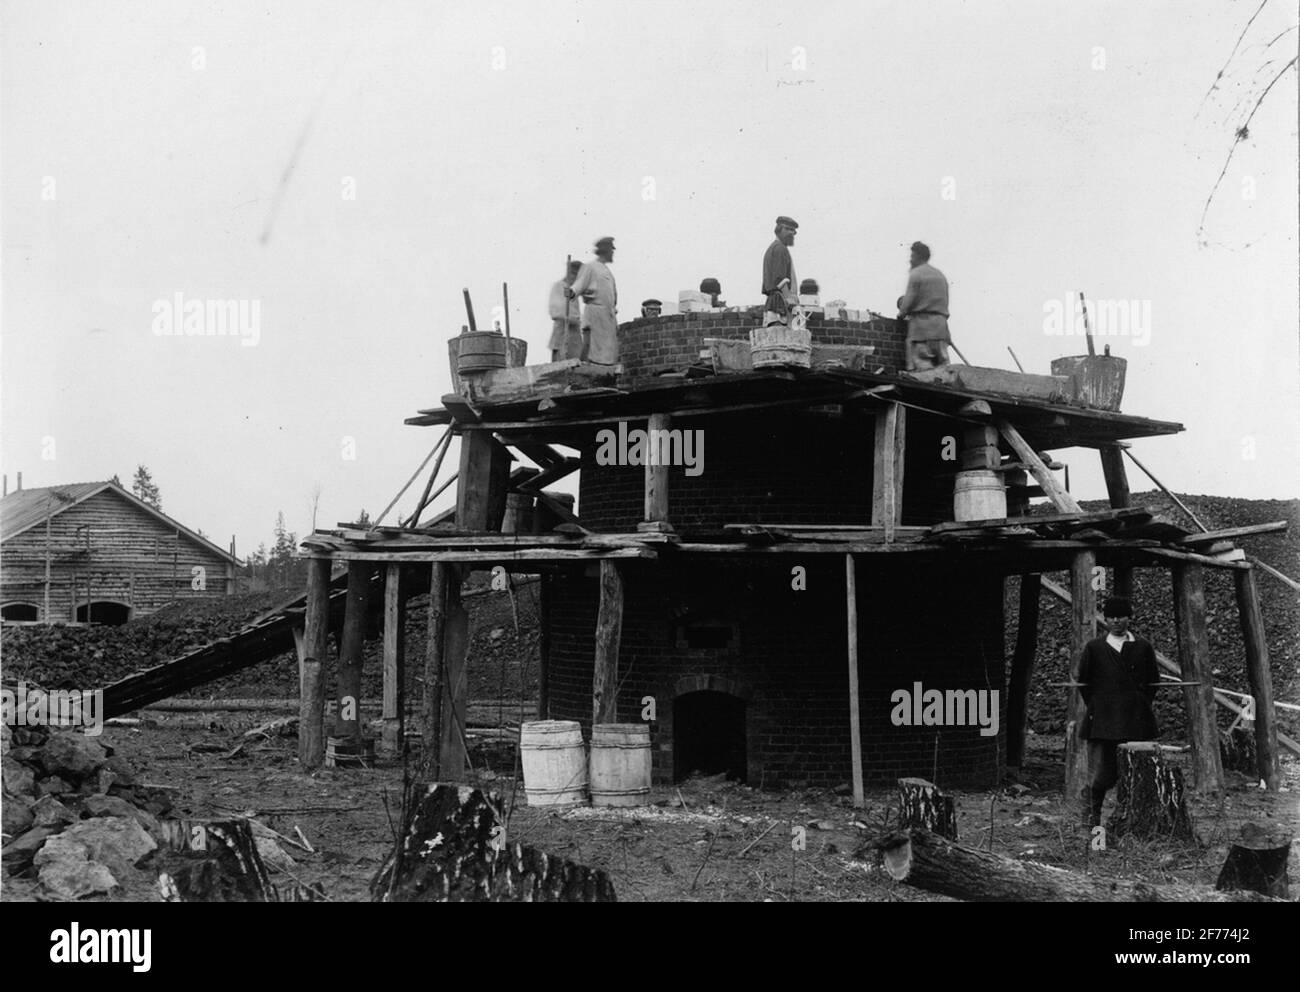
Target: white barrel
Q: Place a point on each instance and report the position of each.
(979, 495)
(779, 344)
(554, 762)
(620, 764)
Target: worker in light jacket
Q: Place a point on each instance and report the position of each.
(1119, 677)
(566, 331)
(595, 284)
(924, 308)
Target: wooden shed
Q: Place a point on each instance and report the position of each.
(93, 552)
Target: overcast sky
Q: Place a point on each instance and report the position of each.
(393, 153)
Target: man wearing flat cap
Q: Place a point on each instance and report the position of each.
(1119, 677)
(779, 282)
(652, 308)
(595, 284)
(924, 306)
(711, 288)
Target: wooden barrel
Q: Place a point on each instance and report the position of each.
(620, 764)
(554, 762)
(479, 351)
(979, 495)
(519, 514)
(779, 344)
(1098, 380)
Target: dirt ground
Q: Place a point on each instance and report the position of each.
(706, 841)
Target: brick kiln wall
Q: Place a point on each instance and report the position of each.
(787, 661)
(775, 467)
(650, 345)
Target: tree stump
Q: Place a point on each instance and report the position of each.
(928, 861)
(211, 861)
(1237, 749)
(1257, 863)
(921, 804)
(453, 849)
(1149, 800)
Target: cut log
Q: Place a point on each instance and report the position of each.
(211, 861)
(1149, 798)
(609, 632)
(935, 864)
(921, 804)
(1257, 863)
(453, 849)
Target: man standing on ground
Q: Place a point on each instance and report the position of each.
(566, 328)
(924, 305)
(595, 284)
(779, 283)
(1119, 674)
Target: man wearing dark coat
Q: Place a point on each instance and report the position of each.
(1119, 677)
(779, 283)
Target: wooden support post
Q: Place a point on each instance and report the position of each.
(351, 649)
(609, 630)
(453, 758)
(855, 718)
(1062, 500)
(544, 647)
(1258, 672)
(1083, 628)
(1112, 467)
(394, 656)
(1022, 668)
(1194, 663)
(484, 477)
(887, 469)
(656, 475)
(431, 701)
(315, 648)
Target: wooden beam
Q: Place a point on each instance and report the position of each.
(1194, 665)
(1210, 536)
(1112, 467)
(1275, 573)
(1062, 500)
(1261, 679)
(855, 720)
(887, 469)
(1022, 668)
(351, 650)
(1083, 628)
(315, 648)
(455, 681)
(544, 595)
(609, 631)
(394, 656)
(484, 477)
(656, 476)
(434, 670)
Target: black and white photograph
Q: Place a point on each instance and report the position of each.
(650, 451)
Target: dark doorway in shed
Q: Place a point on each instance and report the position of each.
(20, 611)
(709, 735)
(105, 612)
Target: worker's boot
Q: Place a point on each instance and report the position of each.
(1098, 801)
(1086, 805)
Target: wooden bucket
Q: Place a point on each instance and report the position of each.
(1098, 380)
(979, 495)
(516, 357)
(519, 514)
(779, 344)
(481, 350)
(554, 762)
(342, 752)
(620, 764)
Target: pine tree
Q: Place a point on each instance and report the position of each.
(286, 542)
(145, 489)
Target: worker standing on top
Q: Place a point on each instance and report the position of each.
(924, 305)
(566, 327)
(595, 284)
(779, 282)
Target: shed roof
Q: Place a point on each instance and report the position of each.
(22, 510)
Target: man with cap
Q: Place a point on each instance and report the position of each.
(652, 308)
(924, 305)
(595, 284)
(1119, 677)
(711, 288)
(779, 282)
(566, 329)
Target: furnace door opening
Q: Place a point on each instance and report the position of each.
(709, 735)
